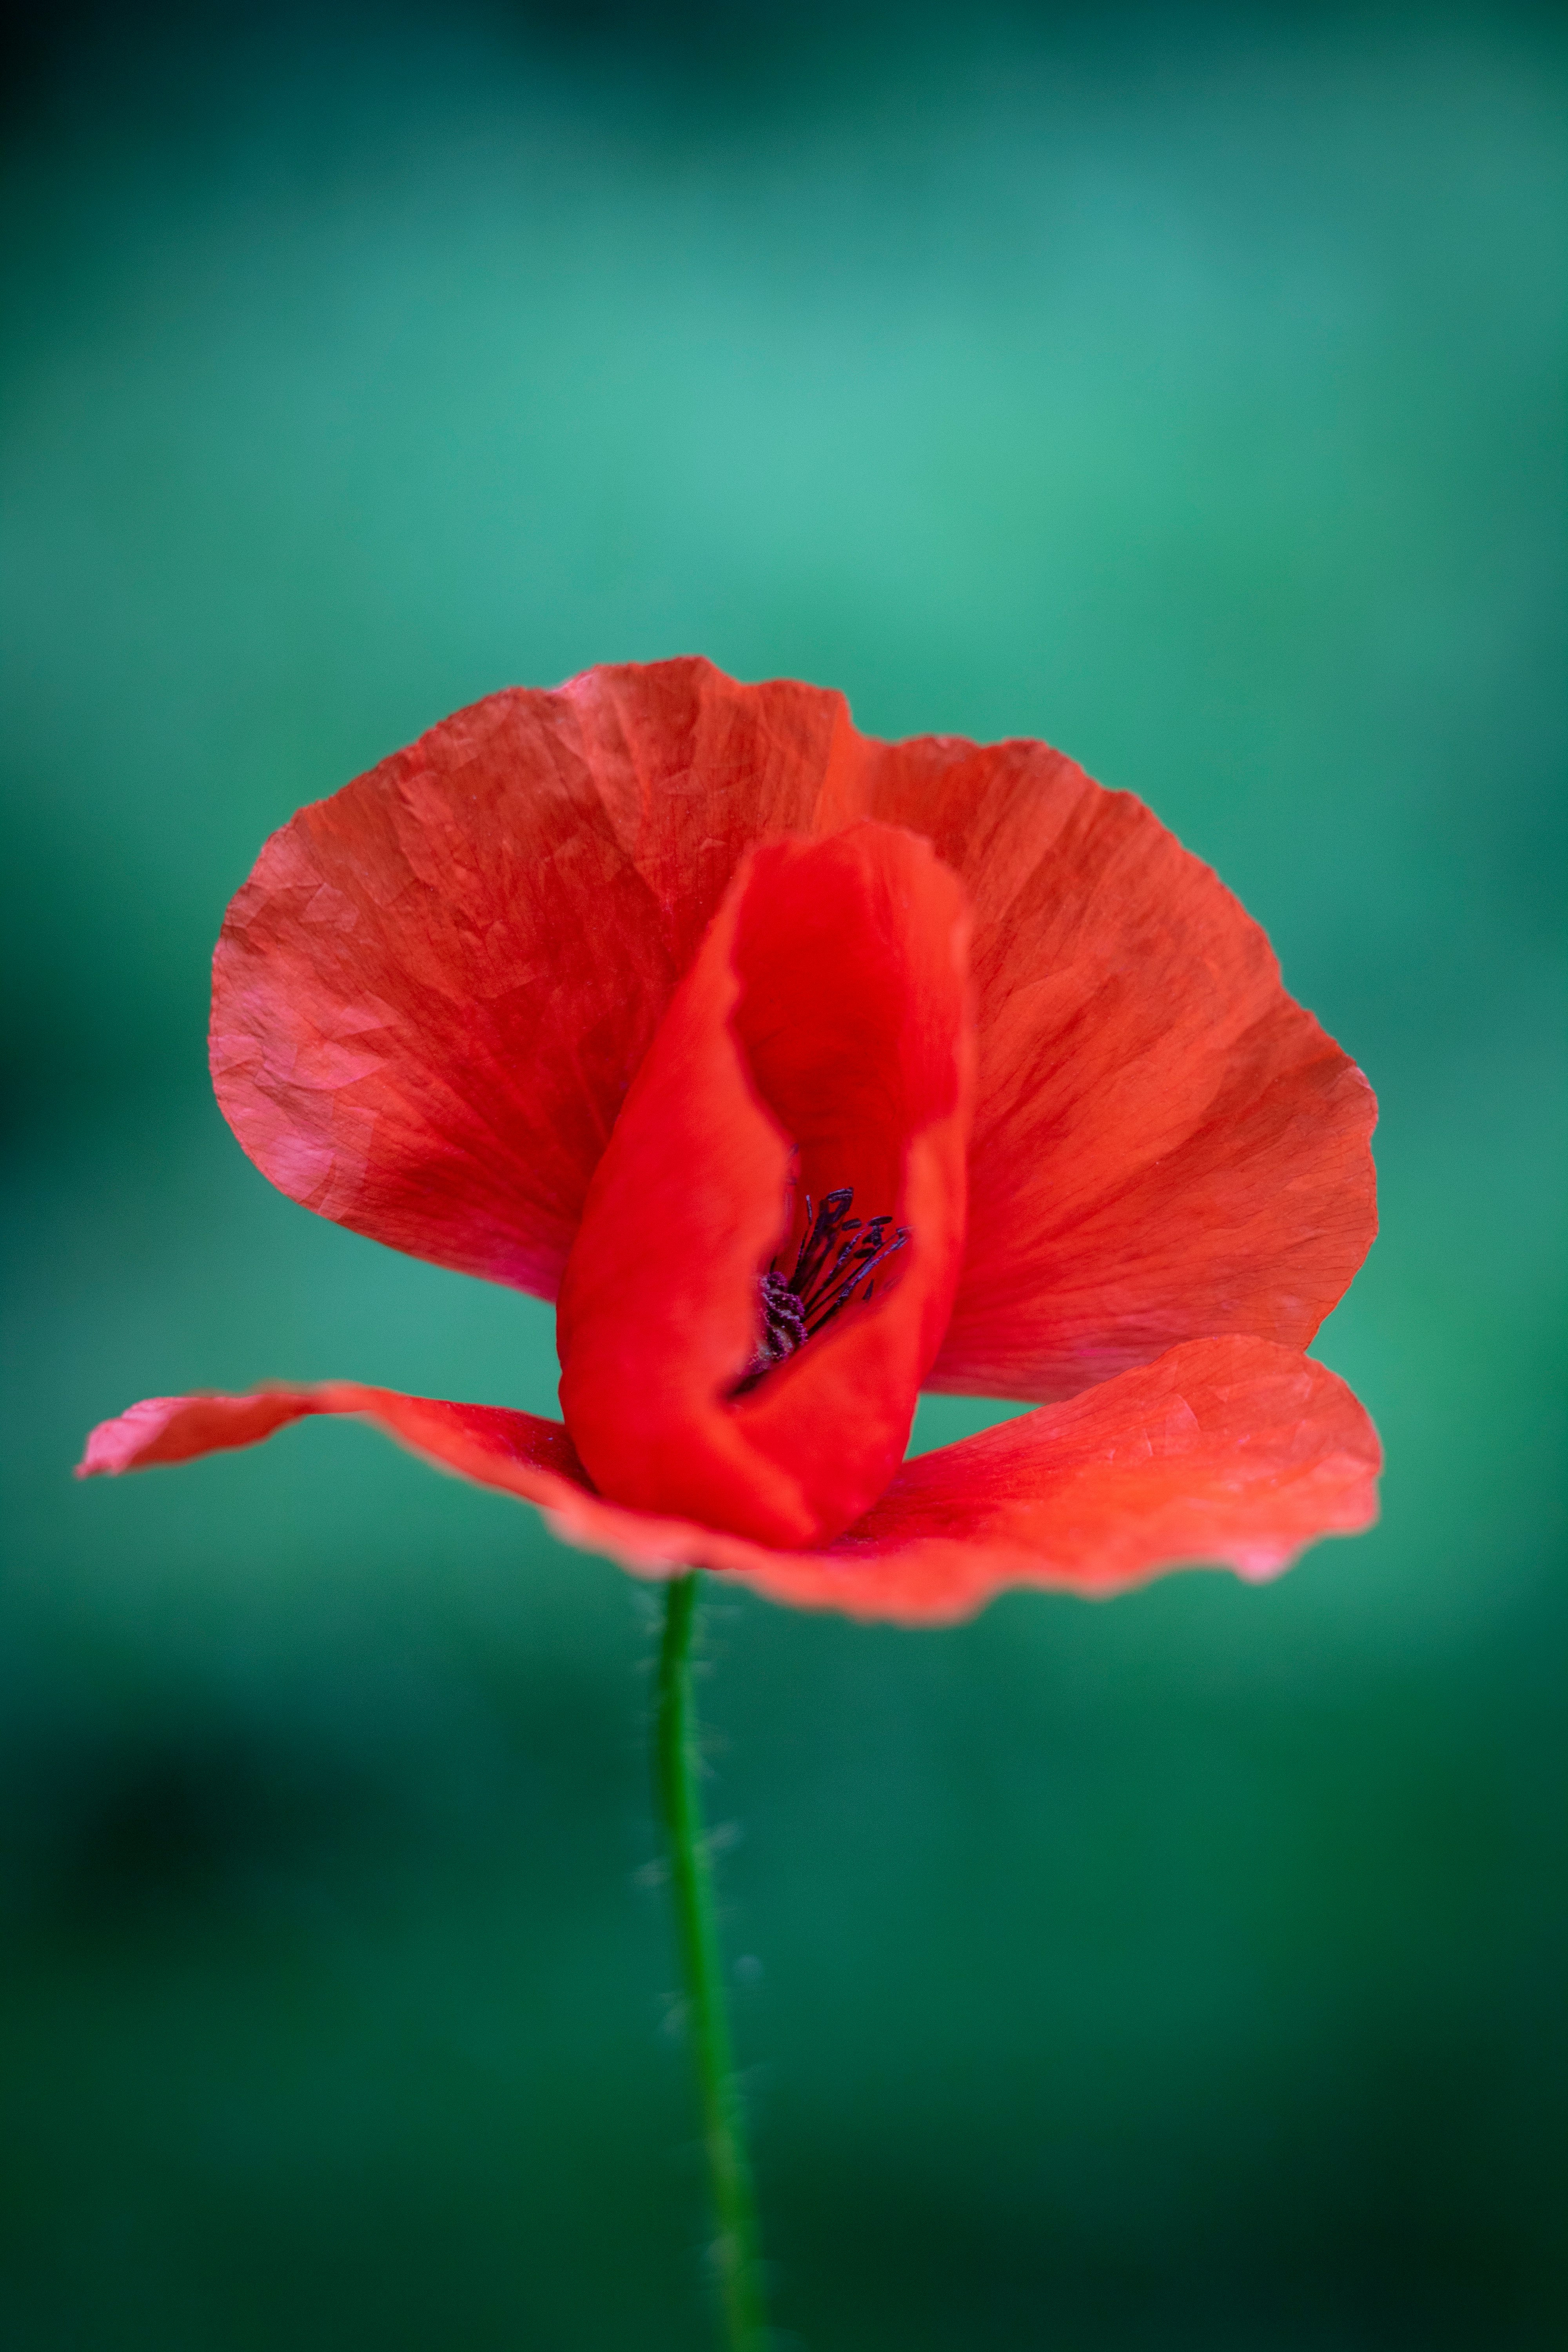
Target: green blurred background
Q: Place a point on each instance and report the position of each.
(1185, 386)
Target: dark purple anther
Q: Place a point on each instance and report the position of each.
(836, 1255)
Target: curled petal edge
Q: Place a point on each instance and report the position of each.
(1231, 1452)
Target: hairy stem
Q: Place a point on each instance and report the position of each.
(676, 1765)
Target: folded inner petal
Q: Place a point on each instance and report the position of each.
(819, 1047)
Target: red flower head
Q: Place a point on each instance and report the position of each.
(804, 1071)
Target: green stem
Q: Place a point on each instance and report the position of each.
(677, 1764)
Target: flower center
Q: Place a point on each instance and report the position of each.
(837, 1255)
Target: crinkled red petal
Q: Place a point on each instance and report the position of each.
(521, 1452)
(431, 997)
(1165, 1146)
(1233, 1452)
(1230, 1452)
(822, 1039)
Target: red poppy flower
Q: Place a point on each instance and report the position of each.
(804, 1071)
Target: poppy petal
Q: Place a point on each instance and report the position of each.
(430, 997)
(1225, 1451)
(1229, 1451)
(520, 1451)
(820, 1040)
(1165, 1145)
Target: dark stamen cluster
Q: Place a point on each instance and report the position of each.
(837, 1254)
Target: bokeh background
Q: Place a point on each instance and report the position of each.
(1185, 386)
